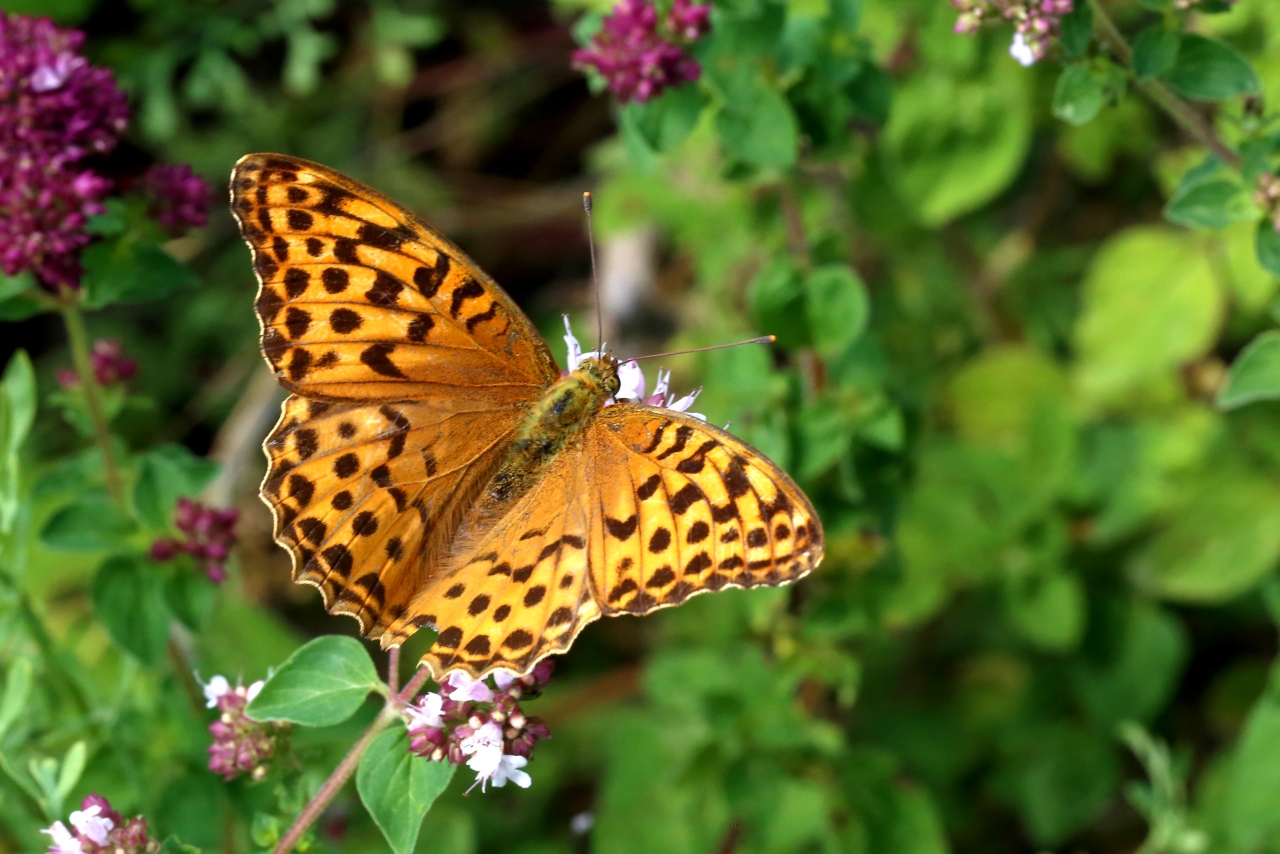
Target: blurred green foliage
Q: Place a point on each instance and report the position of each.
(1026, 368)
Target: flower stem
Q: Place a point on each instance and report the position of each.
(1186, 116)
(337, 779)
(78, 338)
(411, 687)
(393, 671)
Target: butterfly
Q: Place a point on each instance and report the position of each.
(433, 467)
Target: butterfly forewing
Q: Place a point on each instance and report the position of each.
(361, 300)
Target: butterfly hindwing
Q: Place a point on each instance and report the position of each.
(366, 496)
(361, 300)
(683, 507)
(652, 507)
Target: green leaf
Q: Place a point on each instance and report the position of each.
(399, 788)
(1267, 247)
(1048, 611)
(90, 523)
(1255, 375)
(72, 767)
(17, 688)
(1209, 70)
(1076, 30)
(321, 684)
(1211, 204)
(762, 132)
(190, 594)
(19, 297)
(1221, 541)
(1150, 304)
(165, 474)
(129, 601)
(837, 308)
(777, 300)
(174, 845)
(666, 121)
(1255, 779)
(17, 413)
(1079, 95)
(127, 270)
(1154, 51)
(952, 145)
(1138, 673)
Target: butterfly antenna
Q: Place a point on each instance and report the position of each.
(595, 275)
(763, 339)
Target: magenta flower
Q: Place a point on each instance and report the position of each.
(179, 199)
(55, 111)
(240, 745)
(210, 536)
(1036, 23)
(480, 726)
(638, 55)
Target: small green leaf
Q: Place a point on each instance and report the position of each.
(1076, 30)
(174, 845)
(667, 121)
(1255, 375)
(1154, 51)
(72, 767)
(190, 594)
(17, 413)
(1268, 247)
(763, 132)
(1209, 70)
(321, 684)
(18, 297)
(837, 308)
(1079, 95)
(165, 474)
(129, 602)
(398, 788)
(90, 523)
(777, 300)
(17, 688)
(1211, 204)
(126, 270)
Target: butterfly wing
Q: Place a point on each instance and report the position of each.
(650, 508)
(361, 300)
(411, 370)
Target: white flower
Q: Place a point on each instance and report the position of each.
(63, 842)
(92, 825)
(630, 381)
(664, 381)
(465, 688)
(683, 404)
(575, 349)
(503, 679)
(252, 690)
(214, 689)
(509, 769)
(1021, 51)
(581, 823)
(428, 712)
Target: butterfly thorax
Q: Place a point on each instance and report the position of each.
(553, 423)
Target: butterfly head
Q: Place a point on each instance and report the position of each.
(603, 371)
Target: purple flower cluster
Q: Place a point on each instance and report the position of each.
(210, 536)
(640, 55)
(55, 110)
(241, 745)
(1036, 22)
(178, 198)
(97, 829)
(480, 725)
(110, 365)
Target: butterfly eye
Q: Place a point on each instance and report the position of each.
(612, 383)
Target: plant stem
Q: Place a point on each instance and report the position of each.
(78, 338)
(393, 671)
(1186, 116)
(337, 779)
(411, 687)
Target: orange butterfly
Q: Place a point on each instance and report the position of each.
(433, 468)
